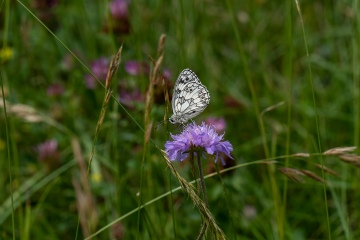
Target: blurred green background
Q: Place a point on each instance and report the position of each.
(271, 98)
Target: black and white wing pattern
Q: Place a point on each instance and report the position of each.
(189, 98)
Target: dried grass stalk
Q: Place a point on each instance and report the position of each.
(148, 131)
(85, 200)
(293, 174)
(327, 170)
(301, 155)
(208, 218)
(313, 176)
(114, 65)
(339, 150)
(350, 158)
(167, 101)
(23, 111)
(161, 44)
(269, 162)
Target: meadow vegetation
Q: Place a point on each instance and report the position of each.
(84, 84)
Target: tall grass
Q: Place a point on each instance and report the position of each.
(283, 75)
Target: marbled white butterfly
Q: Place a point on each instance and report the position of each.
(189, 98)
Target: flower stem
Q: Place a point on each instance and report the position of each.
(203, 190)
(202, 180)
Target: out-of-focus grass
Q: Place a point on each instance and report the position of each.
(199, 35)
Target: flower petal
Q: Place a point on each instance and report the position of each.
(201, 136)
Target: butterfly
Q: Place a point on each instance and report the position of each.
(189, 98)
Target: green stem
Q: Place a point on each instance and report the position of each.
(203, 191)
(202, 180)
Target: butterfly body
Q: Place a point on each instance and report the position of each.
(189, 98)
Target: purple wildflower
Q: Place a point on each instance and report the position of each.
(119, 9)
(99, 68)
(218, 123)
(136, 68)
(90, 81)
(56, 89)
(129, 98)
(166, 73)
(48, 151)
(119, 22)
(200, 136)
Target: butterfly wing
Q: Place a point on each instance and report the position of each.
(193, 101)
(190, 97)
(186, 76)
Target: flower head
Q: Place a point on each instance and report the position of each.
(48, 150)
(48, 154)
(6, 53)
(166, 73)
(55, 89)
(136, 68)
(200, 136)
(118, 21)
(119, 9)
(129, 98)
(99, 68)
(218, 123)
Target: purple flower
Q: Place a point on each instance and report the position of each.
(99, 68)
(90, 81)
(118, 21)
(119, 9)
(129, 98)
(218, 123)
(48, 150)
(166, 73)
(200, 136)
(136, 68)
(55, 89)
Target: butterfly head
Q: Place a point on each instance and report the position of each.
(177, 119)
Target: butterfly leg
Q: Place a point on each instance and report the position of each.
(159, 123)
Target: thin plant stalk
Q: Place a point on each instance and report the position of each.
(189, 189)
(226, 199)
(199, 203)
(8, 156)
(254, 98)
(114, 64)
(316, 113)
(147, 120)
(203, 191)
(288, 71)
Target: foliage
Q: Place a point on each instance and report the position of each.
(282, 75)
